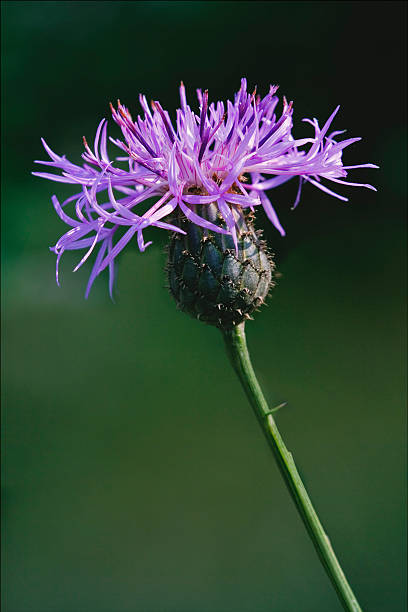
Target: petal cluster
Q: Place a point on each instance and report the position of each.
(229, 153)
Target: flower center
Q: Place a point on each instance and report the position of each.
(199, 190)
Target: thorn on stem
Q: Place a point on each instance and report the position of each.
(266, 414)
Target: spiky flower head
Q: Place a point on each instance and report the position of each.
(229, 154)
(213, 279)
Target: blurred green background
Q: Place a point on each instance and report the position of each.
(135, 474)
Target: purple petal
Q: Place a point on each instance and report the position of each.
(95, 269)
(271, 214)
(194, 218)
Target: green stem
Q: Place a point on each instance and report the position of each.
(238, 353)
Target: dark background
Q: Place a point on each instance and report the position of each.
(136, 477)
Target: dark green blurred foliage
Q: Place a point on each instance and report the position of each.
(135, 477)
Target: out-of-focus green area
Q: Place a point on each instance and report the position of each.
(135, 475)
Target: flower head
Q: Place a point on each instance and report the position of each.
(229, 153)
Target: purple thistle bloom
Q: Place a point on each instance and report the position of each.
(206, 158)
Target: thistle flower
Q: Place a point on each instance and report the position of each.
(228, 155)
(206, 175)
